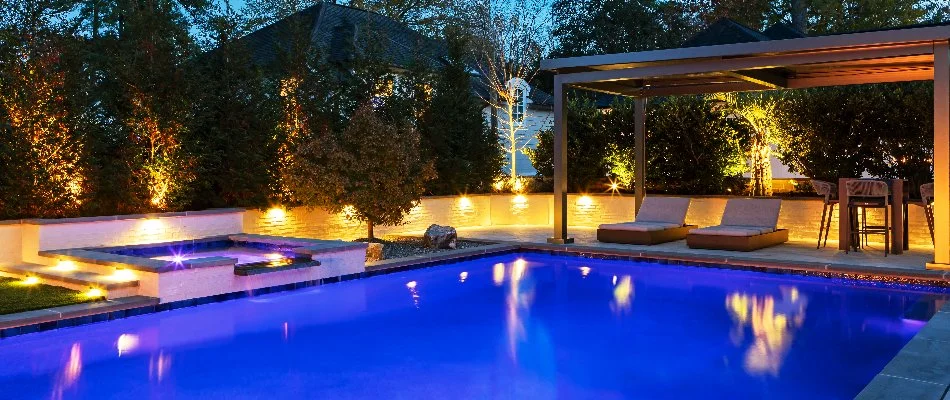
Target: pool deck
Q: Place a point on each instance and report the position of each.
(791, 255)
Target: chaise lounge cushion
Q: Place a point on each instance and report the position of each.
(752, 213)
(671, 210)
(640, 226)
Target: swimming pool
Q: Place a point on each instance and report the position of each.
(516, 326)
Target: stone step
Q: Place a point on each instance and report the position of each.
(73, 279)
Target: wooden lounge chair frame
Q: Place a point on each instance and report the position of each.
(643, 237)
(737, 243)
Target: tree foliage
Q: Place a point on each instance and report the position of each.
(466, 153)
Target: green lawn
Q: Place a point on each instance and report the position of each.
(16, 297)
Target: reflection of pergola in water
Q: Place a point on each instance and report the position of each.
(894, 55)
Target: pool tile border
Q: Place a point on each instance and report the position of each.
(882, 385)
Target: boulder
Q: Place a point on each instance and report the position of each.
(440, 237)
(374, 252)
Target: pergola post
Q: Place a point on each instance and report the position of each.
(941, 207)
(560, 164)
(640, 151)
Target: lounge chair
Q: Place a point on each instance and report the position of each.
(660, 220)
(746, 225)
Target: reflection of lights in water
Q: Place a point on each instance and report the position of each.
(585, 271)
(286, 329)
(518, 269)
(158, 366)
(70, 373)
(415, 293)
(463, 276)
(773, 324)
(498, 274)
(623, 294)
(614, 281)
(126, 343)
(520, 296)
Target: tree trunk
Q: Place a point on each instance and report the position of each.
(799, 15)
(369, 230)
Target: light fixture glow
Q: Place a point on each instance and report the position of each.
(520, 199)
(276, 213)
(465, 203)
(94, 293)
(30, 280)
(65, 266)
(585, 201)
(123, 274)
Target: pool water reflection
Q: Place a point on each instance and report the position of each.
(520, 326)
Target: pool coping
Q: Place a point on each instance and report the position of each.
(103, 256)
(919, 370)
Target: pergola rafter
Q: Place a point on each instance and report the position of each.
(894, 55)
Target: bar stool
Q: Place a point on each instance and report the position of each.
(830, 192)
(927, 201)
(864, 194)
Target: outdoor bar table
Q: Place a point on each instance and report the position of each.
(898, 212)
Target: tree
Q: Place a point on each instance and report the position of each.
(692, 147)
(618, 26)
(234, 123)
(884, 130)
(428, 17)
(588, 147)
(375, 165)
(45, 156)
(466, 153)
(758, 111)
(511, 38)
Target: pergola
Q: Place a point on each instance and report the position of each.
(894, 55)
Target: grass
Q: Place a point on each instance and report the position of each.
(16, 297)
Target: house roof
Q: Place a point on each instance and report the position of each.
(333, 28)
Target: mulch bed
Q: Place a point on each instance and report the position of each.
(405, 247)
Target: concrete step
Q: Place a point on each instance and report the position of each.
(115, 285)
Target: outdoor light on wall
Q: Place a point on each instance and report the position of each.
(123, 274)
(94, 293)
(585, 201)
(276, 213)
(465, 203)
(65, 266)
(30, 280)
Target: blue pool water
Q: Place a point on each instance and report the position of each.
(518, 326)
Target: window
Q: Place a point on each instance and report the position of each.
(517, 113)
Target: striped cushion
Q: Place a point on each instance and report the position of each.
(671, 210)
(639, 226)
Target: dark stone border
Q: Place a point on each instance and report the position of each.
(858, 275)
(104, 255)
(921, 370)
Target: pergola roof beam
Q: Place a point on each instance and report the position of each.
(748, 63)
(809, 44)
(768, 79)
